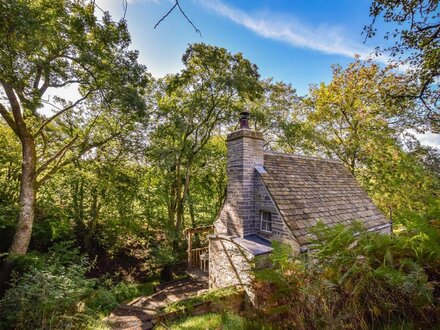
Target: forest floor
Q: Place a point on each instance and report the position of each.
(141, 312)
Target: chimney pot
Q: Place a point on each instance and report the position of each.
(244, 119)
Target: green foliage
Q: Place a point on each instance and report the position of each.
(354, 119)
(69, 46)
(353, 278)
(52, 290)
(212, 295)
(108, 296)
(414, 41)
(227, 321)
(48, 295)
(351, 116)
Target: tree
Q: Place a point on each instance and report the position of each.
(354, 120)
(273, 110)
(205, 96)
(353, 113)
(49, 45)
(416, 43)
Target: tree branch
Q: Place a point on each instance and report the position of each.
(166, 15)
(8, 118)
(59, 154)
(21, 131)
(177, 4)
(59, 113)
(190, 22)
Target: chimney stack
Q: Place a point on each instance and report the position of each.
(245, 150)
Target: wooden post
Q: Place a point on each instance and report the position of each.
(189, 249)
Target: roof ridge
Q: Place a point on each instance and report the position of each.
(277, 153)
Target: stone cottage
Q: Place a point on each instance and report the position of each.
(276, 196)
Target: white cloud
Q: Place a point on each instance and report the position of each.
(322, 38)
(429, 139)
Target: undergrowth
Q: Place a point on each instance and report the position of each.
(353, 279)
(211, 321)
(212, 295)
(52, 291)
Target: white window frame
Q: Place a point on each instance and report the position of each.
(266, 222)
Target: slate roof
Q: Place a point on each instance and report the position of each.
(308, 189)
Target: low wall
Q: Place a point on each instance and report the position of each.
(229, 264)
(232, 265)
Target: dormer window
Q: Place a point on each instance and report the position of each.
(266, 221)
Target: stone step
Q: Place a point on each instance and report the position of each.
(172, 298)
(191, 287)
(153, 304)
(173, 284)
(142, 310)
(124, 322)
(139, 314)
(128, 322)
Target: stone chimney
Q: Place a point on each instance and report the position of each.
(245, 151)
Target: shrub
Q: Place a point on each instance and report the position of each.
(352, 279)
(108, 296)
(46, 298)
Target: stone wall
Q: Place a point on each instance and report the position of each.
(263, 202)
(232, 265)
(229, 264)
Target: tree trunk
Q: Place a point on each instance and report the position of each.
(91, 228)
(78, 211)
(23, 232)
(28, 189)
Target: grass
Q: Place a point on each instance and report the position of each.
(189, 303)
(215, 321)
(207, 322)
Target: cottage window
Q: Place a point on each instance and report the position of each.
(266, 221)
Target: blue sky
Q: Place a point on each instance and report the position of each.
(295, 41)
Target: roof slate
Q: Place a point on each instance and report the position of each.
(308, 189)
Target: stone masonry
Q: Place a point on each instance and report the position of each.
(228, 263)
(245, 150)
(232, 265)
(264, 202)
